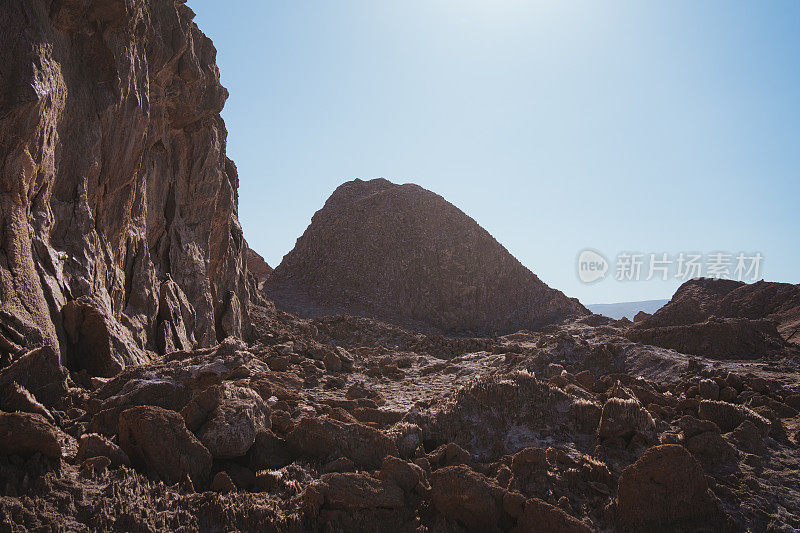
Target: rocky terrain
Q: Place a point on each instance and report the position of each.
(405, 255)
(119, 205)
(147, 384)
(726, 319)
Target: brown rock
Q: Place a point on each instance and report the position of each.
(94, 445)
(222, 482)
(267, 480)
(541, 516)
(709, 389)
(711, 446)
(748, 436)
(114, 173)
(664, 486)
(196, 412)
(332, 362)
(623, 418)
(98, 343)
(268, 451)
(157, 442)
(407, 437)
(323, 437)
(728, 394)
(406, 475)
(26, 434)
(282, 385)
(715, 338)
(467, 496)
(231, 428)
(514, 503)
(586, 379)
(351, 492)
(96, 465)
(526, 462)
(457, 277)
(40, 372)
(691, 426)
(699, 299)
(257, 267)
(17, 398)
(727, 416)
(176, 319)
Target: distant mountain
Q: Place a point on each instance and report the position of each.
(627, 309)
(403, 254)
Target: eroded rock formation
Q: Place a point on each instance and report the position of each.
(726, 319)
(404, 254)
(114, 181)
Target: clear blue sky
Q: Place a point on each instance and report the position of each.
(618, 126)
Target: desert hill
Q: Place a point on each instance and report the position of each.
(404, 254)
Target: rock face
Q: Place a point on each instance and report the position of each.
(257, 266)
(664, 486)
(26, 433)
(725, 319)
(113, 174)
(468, 497)
(157, 440)
(403, 254)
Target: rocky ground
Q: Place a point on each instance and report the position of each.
(344, 423)
(147, 384)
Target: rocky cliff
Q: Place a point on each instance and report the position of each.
(118, 206)
(725, 319)
(404, 254)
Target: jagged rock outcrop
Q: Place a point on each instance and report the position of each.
(113, 176)
(257, 267)
(404, 254)
(725, 319)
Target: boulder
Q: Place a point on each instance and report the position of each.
(728, 416)
(711, 446)
(94, 445)
(15, 397)
(624, 418)
(222, 482)
(157, 442)
(196, 412)
(542, 516)
(40, 372)
(332, 362)
(691, 426)
(664, 486)
(25, 434)
(355, 491)
(282, 385)
(268, 451)
(709, 389)
(98, 343)
(749, 437)
(232, 427)
(468, 497)
(267, 480)
(323, 437)
(407, 437)
(406, 475)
